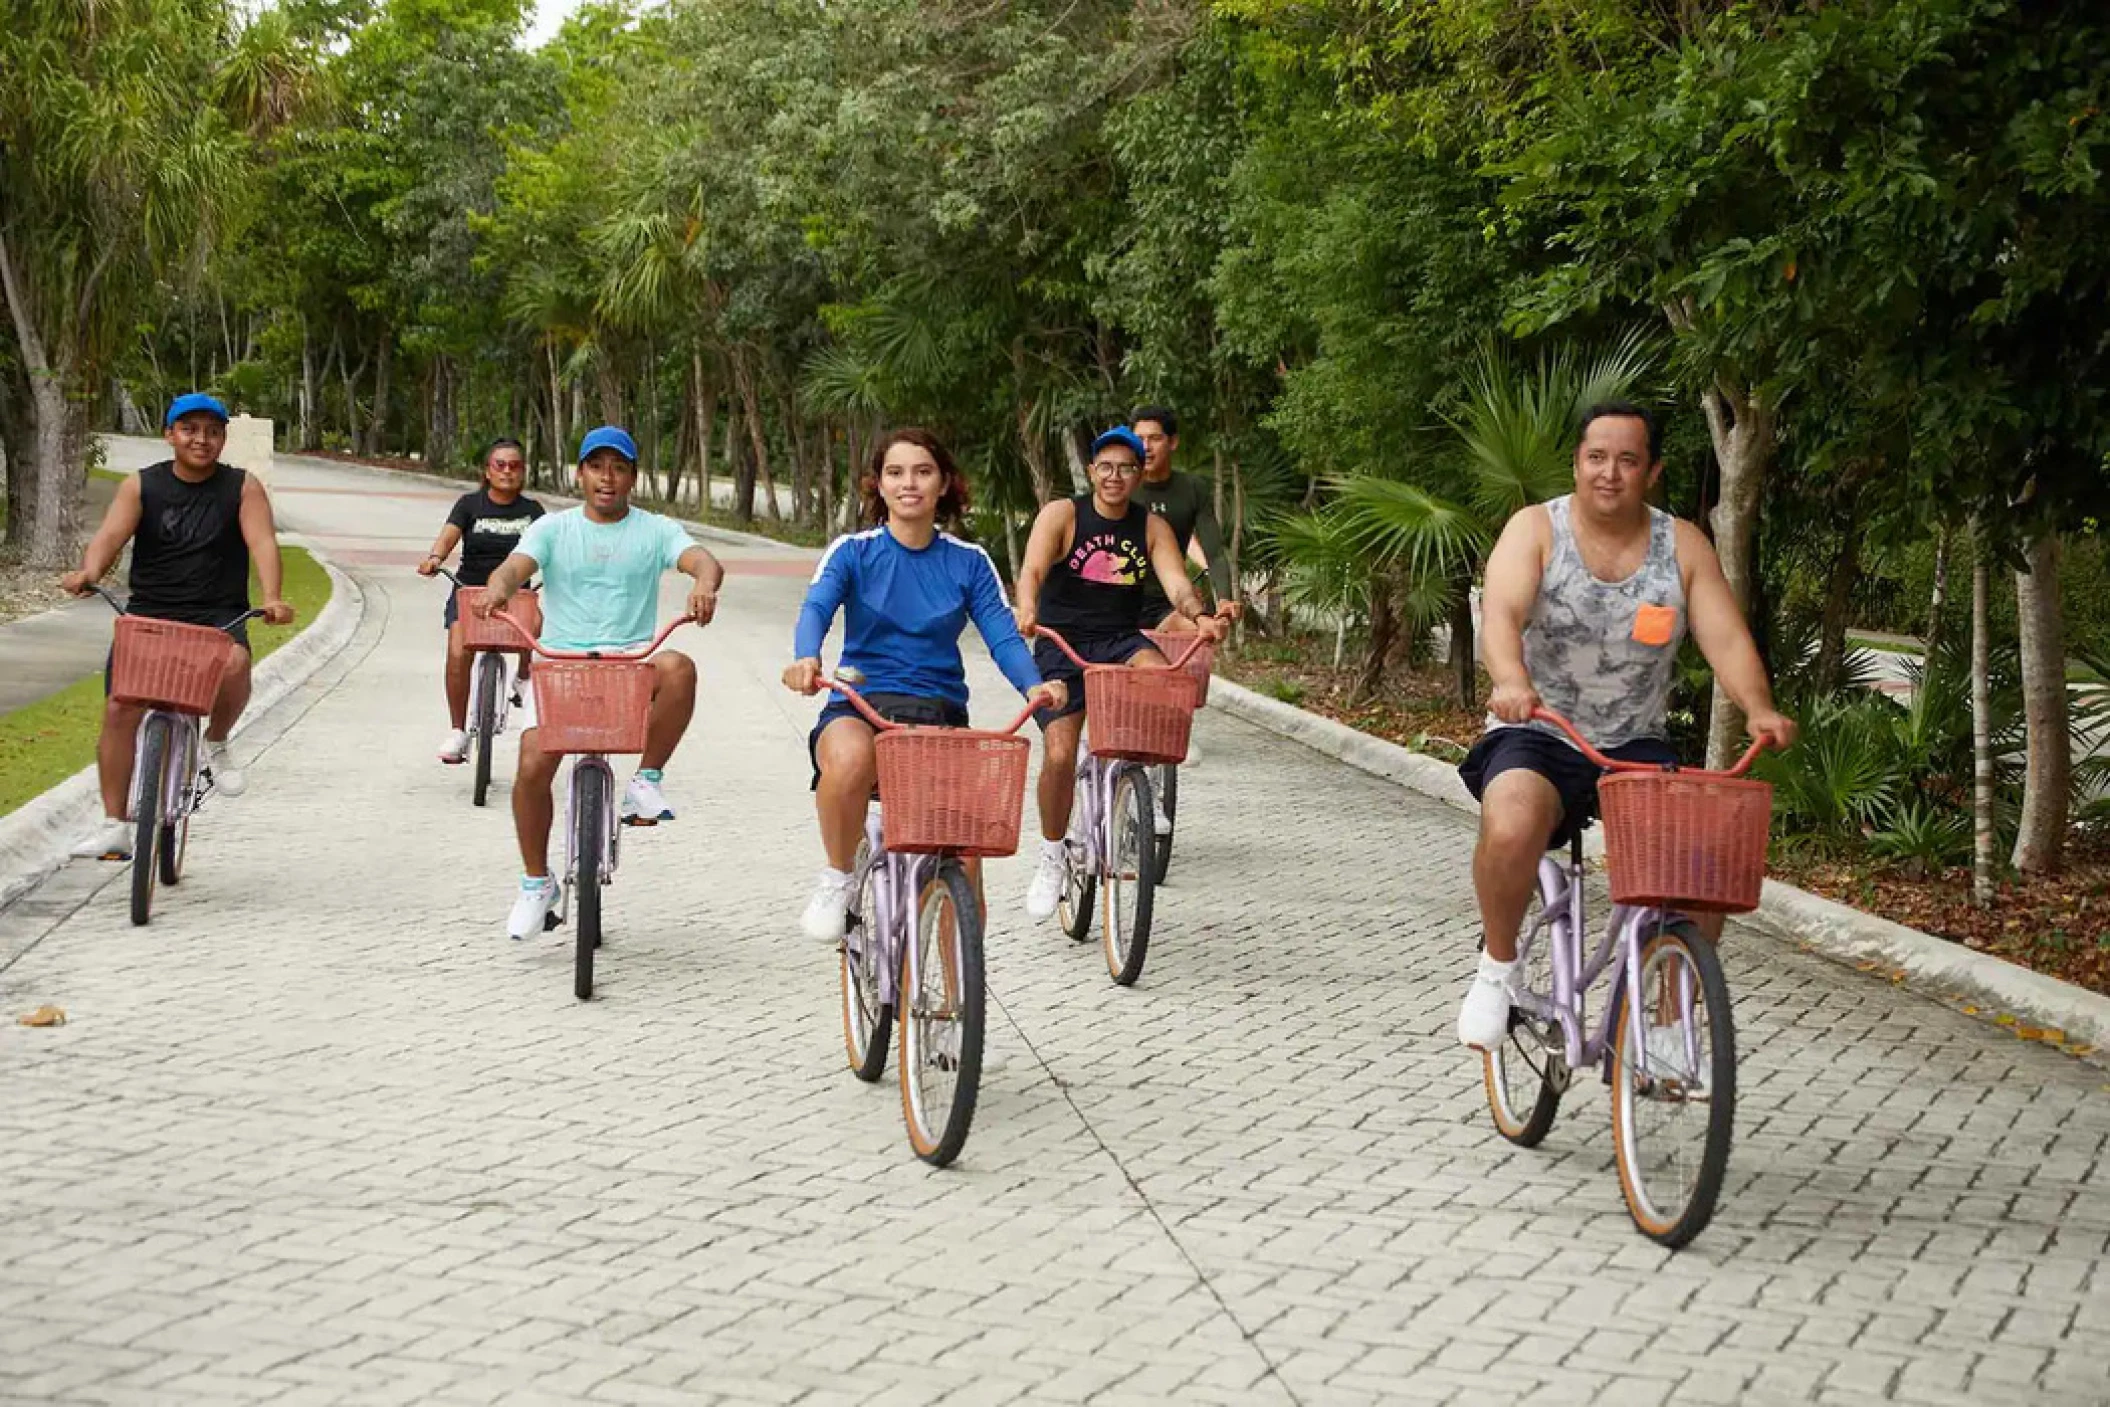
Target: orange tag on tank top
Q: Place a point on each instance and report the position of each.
(1653, 625)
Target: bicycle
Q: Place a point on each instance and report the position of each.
(175, 671)
(1137, 718)
(1677, 840)
(590, 704)
(493, 687)
(1165, 776)
(945, 793)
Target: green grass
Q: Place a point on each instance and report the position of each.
(48, 741)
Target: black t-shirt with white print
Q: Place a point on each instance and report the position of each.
(490, 531)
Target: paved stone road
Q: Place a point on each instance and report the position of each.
(321, 1134)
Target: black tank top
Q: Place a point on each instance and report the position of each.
(1092, 593)
(189, 561)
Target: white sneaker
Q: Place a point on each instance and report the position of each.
(1161, 822)
(644, 804)
(455, 750)
(227, 779)
(110, 840)
(1046, 889)
(829, 907)
(534, 911)
(1483, 1019)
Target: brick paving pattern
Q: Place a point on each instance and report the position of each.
(321, 1134)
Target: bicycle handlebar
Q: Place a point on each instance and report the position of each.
(1078, 660)
(1613, 764)
(543, 650)
(253, 613)
(887, 725)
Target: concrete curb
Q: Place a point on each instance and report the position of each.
(34, 838)
(1927, 963)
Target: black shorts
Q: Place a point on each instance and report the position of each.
(1054, 664)
(1554, 758)
(895, 708)
(451, 612)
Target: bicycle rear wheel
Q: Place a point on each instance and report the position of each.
(1674, 1101)
(1528, 1072)
(148, 788)
(1131, 878)
(589, 802)
(942, 1017)
(175, 830)
(867, 1018)
(490, 678)
(1167, 781)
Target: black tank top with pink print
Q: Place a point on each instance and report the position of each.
(1094, 589)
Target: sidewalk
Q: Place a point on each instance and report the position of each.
(51, 650)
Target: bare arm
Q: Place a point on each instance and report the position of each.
(1050, 538)
(1514, 570)
(442, 548)
(1718, 628)
(708, 573)
(119, 523)
(511, 575)
(1171, 568)
(260, 533)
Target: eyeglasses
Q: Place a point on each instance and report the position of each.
(1114, 469)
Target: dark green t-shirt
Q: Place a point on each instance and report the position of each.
(1187, 504)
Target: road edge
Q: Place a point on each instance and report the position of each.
(1933, 966)
(35, 837)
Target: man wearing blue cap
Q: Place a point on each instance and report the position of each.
(194, 525)
(601, 563)
(1086, 569)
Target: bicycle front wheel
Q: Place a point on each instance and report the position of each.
(1079, 885)
(1527, 1073)
(175, 830)
(1674, 1098)
(940, 996)
(867, 1017)
(490, 678)
(1131, 878)
(1167, 781)
(589, 802)
(148, 788)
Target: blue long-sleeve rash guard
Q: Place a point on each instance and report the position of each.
(903, 611)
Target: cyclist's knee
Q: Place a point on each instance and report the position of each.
(675, 669)
(1516, 819)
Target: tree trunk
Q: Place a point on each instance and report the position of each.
(1742, 427)
(60, 470)
(440, 417)
(1838, 596)
(1237, 541)
(1981, 726)
(1033, 444)
(1076, 445)
(758, 445)
(559, 443)
(608, 386)
(2040, 844)
(827, 477)
(703, 402)
(377, 433)
(1930, 638)
(1384, 632)
(1462, 661)
(308, 434)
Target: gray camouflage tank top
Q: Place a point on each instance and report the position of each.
(1604, 652)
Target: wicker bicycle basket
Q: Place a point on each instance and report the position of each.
(495, 634)
(165, 664)
(592, 705)
(1685, 840)
(951, 789)
(1199, 664)
(1140, 715)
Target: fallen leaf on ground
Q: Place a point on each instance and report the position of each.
(43, 1016)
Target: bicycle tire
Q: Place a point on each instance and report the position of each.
(174, 840)
(937, 1140)
(587, 806)
(490, 679)
(1527, 1074)
(868, 1022)
(148, 787)
(1073, 910)
(1169, 783)
(1676, 1225)
(1131, 877)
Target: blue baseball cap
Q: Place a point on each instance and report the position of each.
(608, 437)
(191, 404)
(1121, 435)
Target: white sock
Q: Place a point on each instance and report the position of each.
(1052, 847)
(832, 875)
(1496, 971)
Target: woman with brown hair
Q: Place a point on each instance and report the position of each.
(906, 589)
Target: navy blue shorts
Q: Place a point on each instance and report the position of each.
(1554, 758)
(1054, 664)
(895, 708)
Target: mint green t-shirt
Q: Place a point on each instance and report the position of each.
(600, 581)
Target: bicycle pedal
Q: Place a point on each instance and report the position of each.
(646, 821)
